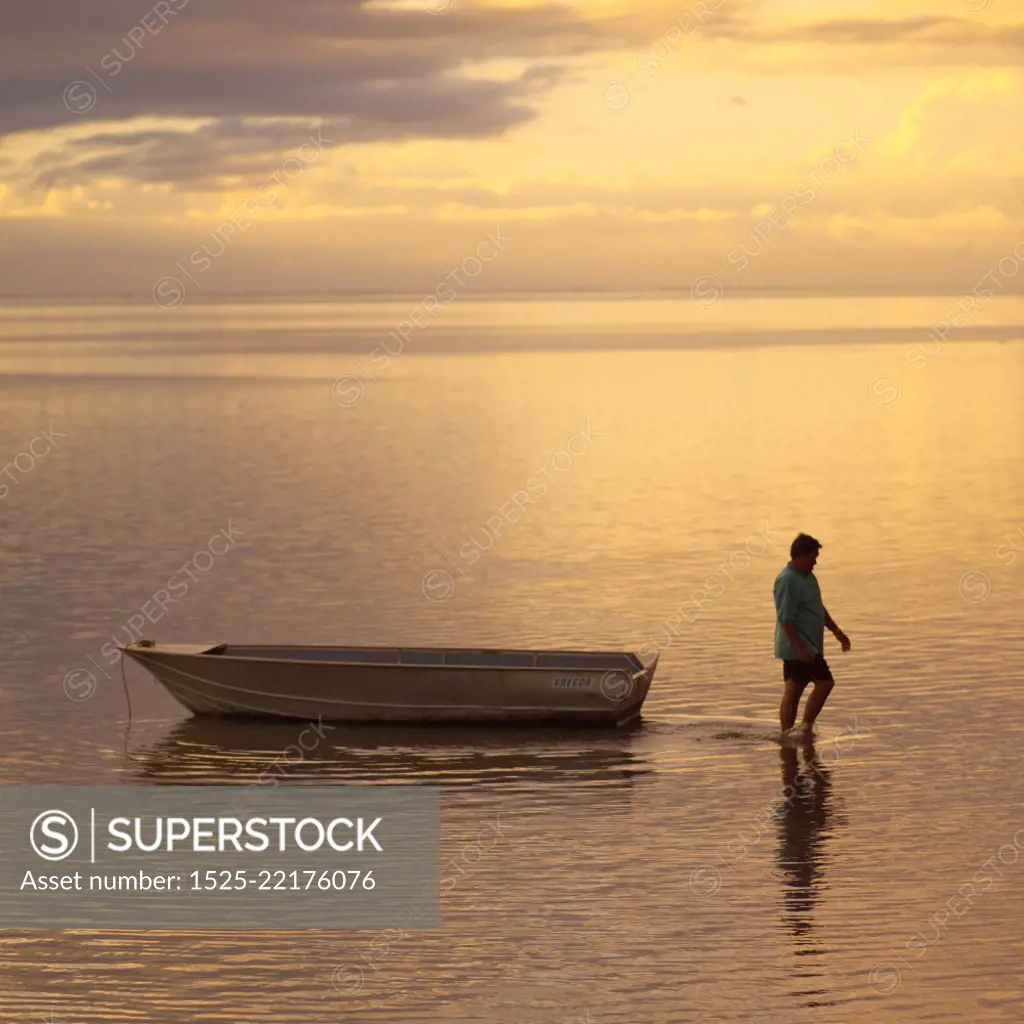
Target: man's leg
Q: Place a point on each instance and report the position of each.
(823, 683)
(791, 693)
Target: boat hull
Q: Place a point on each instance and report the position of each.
(312, 686)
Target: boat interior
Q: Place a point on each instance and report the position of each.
(591, 661)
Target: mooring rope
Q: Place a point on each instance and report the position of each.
(128, 700)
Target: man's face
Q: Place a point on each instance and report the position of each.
(805, 563)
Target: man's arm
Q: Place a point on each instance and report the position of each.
(836, 631)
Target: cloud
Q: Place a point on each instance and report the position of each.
(236, 151)
(261, 58)
(240, 80)
(748, 34)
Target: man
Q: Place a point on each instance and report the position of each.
(800, 635)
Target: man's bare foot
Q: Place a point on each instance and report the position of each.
(799, 733)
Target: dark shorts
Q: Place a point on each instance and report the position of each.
(804, 672)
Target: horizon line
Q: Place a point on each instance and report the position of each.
(628, 293)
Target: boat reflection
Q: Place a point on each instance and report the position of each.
(214, 751)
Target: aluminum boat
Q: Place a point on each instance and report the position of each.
(409, 684)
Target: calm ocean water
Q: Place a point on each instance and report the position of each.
(657, 875)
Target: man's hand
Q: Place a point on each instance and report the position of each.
(805, 653)
(831, 625)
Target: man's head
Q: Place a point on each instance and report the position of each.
(803, 552)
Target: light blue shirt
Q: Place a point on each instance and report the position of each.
(798, 600)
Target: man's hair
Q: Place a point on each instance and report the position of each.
(804, 544)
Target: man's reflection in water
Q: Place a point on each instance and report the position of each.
(805, 819)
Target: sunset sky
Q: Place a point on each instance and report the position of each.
(620, 146)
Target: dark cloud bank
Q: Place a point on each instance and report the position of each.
(265, 72)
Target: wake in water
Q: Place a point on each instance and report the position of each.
(800, 735)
